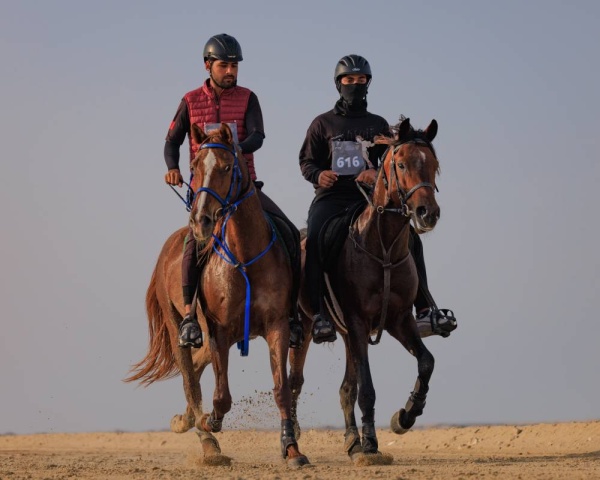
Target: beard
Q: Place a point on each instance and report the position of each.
(225, 83)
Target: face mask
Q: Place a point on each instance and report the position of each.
(354, 94)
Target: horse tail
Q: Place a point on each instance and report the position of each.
(159, 363)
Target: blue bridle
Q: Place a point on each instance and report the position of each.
(229, 206)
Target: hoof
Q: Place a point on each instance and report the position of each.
(367, 459)
(297, 462)
(216, 460)
(182, 423)
(356, 455)
(210, 445)
(395, 424)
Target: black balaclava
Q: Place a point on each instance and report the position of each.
(353, 99)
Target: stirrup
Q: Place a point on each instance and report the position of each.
(190, 333)
(323, 329)
(436, 322)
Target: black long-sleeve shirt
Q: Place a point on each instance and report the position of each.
(180, 127)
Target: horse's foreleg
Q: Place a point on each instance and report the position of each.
(222, 396)
(357, 344)
(296, 378)
(406, 332)
(348, 395)
(191, 388)
(183, 423)
(278, 341)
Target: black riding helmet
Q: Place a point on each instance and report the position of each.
(223, 47)
(351, 64)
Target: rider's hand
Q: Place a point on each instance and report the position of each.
(173, 177)
(367, 176)
(327, 178)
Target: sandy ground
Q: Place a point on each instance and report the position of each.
(541, 451)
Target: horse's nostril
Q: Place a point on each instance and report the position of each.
(205, 221)
(421, 211)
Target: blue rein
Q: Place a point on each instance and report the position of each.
(228, 208)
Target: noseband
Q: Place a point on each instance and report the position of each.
(402, 195)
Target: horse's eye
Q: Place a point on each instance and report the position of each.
(227, 168)
(401, 166)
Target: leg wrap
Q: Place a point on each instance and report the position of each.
(416, 401)
(369, 438)
(414, 405)
(214, 423)
(287, 436)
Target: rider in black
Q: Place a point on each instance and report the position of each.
(335, 188)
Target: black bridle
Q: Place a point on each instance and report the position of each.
(402, 195)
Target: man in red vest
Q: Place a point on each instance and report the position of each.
(218, 100)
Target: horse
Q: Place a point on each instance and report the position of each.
(244, 292)
(373, 284)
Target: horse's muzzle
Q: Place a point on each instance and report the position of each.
(425, 217)
(202, 226)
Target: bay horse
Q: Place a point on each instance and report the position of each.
(374, 283)
(244, 292)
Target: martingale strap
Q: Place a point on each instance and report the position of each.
(229, 206)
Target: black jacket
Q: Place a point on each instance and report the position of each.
(315, 154)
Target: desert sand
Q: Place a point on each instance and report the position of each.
(568, 450)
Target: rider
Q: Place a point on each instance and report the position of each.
(218, 100)
(335, 189)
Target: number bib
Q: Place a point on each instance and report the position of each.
(209, 127)
(346, 157)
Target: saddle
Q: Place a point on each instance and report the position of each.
(334, 232)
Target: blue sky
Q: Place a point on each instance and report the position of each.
(89, 90)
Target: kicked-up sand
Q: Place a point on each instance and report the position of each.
(569, 450)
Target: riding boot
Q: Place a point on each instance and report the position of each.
(430, 320)
(190, 333)
(323, 329)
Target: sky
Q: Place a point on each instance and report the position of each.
(88, 92)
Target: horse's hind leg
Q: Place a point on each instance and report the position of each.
(407, 334)
(278, 341)
(348, 395)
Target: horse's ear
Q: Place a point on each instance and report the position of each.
(226, 134)
(431, 130)
(198, 134)
(404, 128)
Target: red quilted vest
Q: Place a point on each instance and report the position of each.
(205, 107)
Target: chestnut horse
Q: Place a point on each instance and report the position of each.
(245, 291)
(375, 281)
